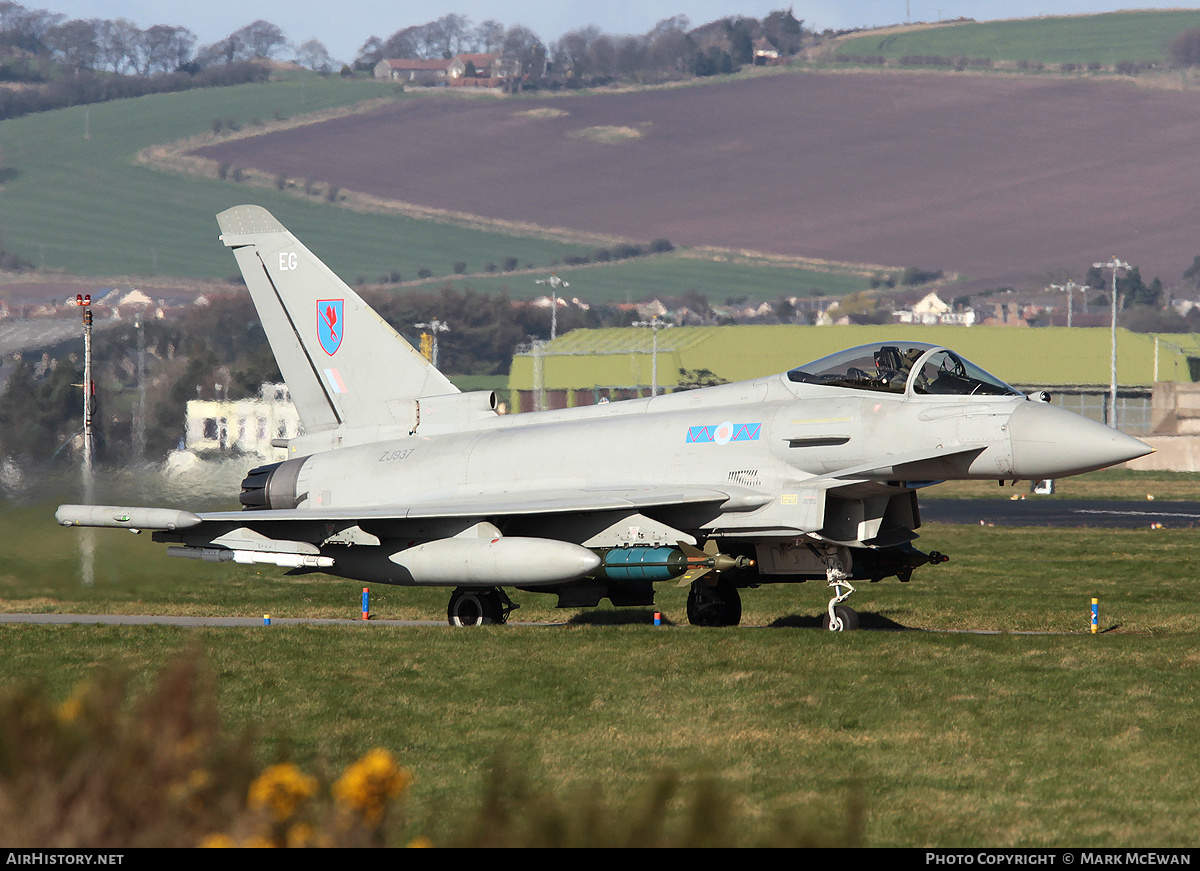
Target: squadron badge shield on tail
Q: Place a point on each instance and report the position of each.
(330, 325)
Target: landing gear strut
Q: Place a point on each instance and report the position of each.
(838, 617)
(478, 606)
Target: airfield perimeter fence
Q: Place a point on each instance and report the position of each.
(1133, 403)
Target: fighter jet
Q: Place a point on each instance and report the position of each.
(399, 478)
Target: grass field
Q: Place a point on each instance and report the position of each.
(1105, 39)
(1107, 484)
(83, 206)
(672, 275)
(1059, 737)
(76, 201)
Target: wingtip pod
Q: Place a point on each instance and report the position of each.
(119, 517)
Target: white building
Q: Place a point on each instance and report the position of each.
(246, 426)
(932, 309)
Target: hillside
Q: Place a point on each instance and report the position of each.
(997, 178)
(1081, 39)
(76, 200)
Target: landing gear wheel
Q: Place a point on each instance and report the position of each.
(838, 617)
(847, 619)
(714, 606)
(478, 606)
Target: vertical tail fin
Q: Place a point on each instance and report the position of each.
(342, 362)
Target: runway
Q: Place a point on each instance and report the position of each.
(168, 620)
(1041, 511)
(1030, 511)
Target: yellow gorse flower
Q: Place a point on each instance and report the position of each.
(367, 785)
(281, 789)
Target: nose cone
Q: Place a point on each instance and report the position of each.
(1048, 442)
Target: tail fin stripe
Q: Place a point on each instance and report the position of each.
(335, 381)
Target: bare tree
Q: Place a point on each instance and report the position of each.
(571, 52)
(313, 55)
(631, 53)
(25, 28)
(603, 54)
(454, 31)
(74, 43)
(261, 39)
(489, 37)
(119, 41)
(523, 46)
(370, 53)
(166, 48)
(403, 43)
(670, 48)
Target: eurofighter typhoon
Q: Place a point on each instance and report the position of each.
(399, 478)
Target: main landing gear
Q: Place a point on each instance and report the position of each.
(479, 606)
(718, 605)
(838, 617)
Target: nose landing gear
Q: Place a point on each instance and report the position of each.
(838, 617)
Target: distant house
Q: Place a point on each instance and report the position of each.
(479, 70)
(764, 51)
(932, 309)
(423, 72)
(490, 66)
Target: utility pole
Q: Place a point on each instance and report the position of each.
(87, 543)
(555, 283)
(139, 421)
(1114, 264)
(434, 326)
(1070, 287)
(538, 347)
(655, 325)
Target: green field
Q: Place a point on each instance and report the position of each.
(75, 201)
(1057, 737)
(1105, 39)
(84, 207)
(672, 275)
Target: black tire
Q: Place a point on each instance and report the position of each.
(848, 616)
(476, 606)
(714, 606)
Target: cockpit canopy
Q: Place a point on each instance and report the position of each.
(900, 367)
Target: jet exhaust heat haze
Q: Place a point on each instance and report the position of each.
(400, 478)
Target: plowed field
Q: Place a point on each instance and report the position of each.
(990, 176)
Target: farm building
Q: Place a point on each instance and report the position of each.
(490, 70)
(588, 366)
(422, 72)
